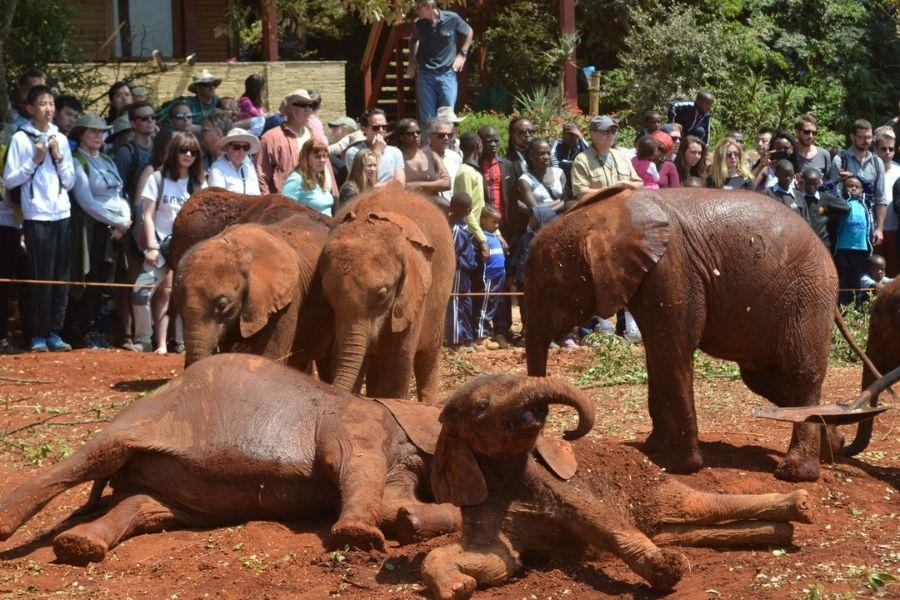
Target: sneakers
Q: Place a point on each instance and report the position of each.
(485, 344)
(176, 347)
(463, 349)
(569, 343)
(38, 344)
(94, 340)
(501, 341)
(137, 346)
(56, 344)
(9, 348)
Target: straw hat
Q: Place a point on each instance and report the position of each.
(446, 112)
(239, 135)
(203, 76)
(300, 94)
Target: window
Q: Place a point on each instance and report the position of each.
(148, 27)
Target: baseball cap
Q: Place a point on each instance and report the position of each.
(602, 123)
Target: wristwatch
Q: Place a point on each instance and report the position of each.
(464, 52)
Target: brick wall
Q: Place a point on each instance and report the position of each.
(281, 78)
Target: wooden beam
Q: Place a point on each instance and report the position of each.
(570, 75)
(269, 31)
(189, 27)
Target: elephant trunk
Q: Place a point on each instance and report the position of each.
(537, 346)
(349, 357)
(543, 392)
(861, 441)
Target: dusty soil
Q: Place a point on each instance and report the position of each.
(851, 551)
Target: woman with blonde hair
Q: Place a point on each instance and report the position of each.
(362, 177)
(729, 167)
(308, 184)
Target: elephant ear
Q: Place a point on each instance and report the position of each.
(273, 275)
(631, 234)
(416, 270)
(455, 474)
(557, 455)
(420, 422)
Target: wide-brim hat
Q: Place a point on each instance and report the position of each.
(239, 135)
(203, 76)
(139, 90)
(298, 93)
(446, 112)
(121, 125)
(88, 121)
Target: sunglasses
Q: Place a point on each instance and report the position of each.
(413, 132)
(305, 105)
(182, 116)
(244, 147)
(212, 85)
(378, 127)
(525, 131)
(808, 131)
(610, 131)
(145, 119)
(442, 135)
(732, 154)
(189, 151)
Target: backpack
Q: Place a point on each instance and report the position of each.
(14, 194)
(675, 107)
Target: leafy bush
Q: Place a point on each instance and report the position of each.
(858, 324)
(475, 120)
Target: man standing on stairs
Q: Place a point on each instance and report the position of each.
(435, 56)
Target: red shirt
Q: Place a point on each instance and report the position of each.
(493, 184)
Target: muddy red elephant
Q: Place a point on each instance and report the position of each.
(732, 273)
(387, 269)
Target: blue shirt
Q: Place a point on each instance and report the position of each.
(853, 232)
(495, 265)
(317, 198)
(437, 40)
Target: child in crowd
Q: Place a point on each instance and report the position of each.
(458, 323)
(645, 162)
(490, 279)
(874, 277)
(854, 242)
(783, 192)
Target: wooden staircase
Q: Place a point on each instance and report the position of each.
(385, 84)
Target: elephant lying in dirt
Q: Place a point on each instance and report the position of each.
(512, 504)
(209, 211)
(256, 288)
(238, 437)
(732, 273)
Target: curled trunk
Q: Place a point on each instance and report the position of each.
(544, 392)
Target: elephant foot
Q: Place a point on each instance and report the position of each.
(79, 549)
(356, 534)
(667, 567)
(655, 442)
(420, 522)
(683, 462)
(5, 532)
(797, 470)
(442, 575)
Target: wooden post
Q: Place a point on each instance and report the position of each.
(594, 93)
(570, 80)
(269, 31)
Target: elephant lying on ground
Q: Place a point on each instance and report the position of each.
(883, 348)
(511, 504)
(387, 270)
(238, 437)
(256, 288)
(732, 273)
(209, 211)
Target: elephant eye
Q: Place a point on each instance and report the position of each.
(221, 304)
(381, 295)
(482, 405)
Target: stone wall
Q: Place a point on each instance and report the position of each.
(281, 78)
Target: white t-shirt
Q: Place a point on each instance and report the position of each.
(890, 177)
(554, 179)
(174, 195)
(391, 160)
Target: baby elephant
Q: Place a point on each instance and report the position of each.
(511, 504)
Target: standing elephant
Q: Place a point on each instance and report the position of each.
(387, 269)
(512, 504)
(883, 348)
(209, 211)
(732, 273)
(236, 438)
(255, 288)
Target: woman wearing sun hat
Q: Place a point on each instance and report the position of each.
(234, 170)
(100, 218)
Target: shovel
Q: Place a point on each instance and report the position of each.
(864, 407)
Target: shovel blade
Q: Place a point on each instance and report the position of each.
(830, 414)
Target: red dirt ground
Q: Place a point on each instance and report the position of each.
(853, 546)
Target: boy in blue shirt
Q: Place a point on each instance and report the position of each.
(458, 322)
(854, 242)
(490, 279)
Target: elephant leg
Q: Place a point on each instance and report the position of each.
(389, 372)
(427, 371)
(677, 503)
(132, 515)
(411, 520)
(671, 405)
(801, 463)
(454, 572)
(739, 534)
(102, 457)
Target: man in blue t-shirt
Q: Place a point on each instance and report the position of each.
(435, 56)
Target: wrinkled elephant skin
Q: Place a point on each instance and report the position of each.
(387, 270)
(732, 273)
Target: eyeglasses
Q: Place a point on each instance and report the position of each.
(675, 138)
(206, 84)
(182, 116)
(808, 131)
(413, 132)
(188, 150)
(886, 149)
(525, 131)
(243, 147)
(443, 135)
(146, 118)
(732, 154)
(378, 127)
(305, 105)
(610, 131)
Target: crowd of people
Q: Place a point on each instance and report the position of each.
(91, 198)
